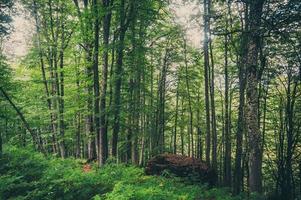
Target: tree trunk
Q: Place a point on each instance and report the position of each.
(105, 59)
(206, 75)
(86, 25)
(42, 63)
(118, 76)
(161, 104)
(89, 122)
(199, 131)
(238, 171)
(212, 98)
(61, 98)
(176, 118)
(255, 161)
(101, 157)
(227, 162)
(78, 115)
(189, 101)
(182, 127)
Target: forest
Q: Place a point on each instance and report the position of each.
(151, 99)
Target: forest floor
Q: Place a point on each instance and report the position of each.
(25, 174)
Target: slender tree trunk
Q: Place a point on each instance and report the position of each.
(89, 121)
(182, 127)
(136, 65)
(287, 189)
(54, 51)
(222, 146)
(238, 171)
(152, 116)
(53, 102)
(111, 80)
(176, 118)
(143, 123)
(42, 63)
(101, 156)
(105, 59)
(206, 75)
(212, 99)
(200, 141)
(78, 115)
(61, 98)
(161, 104)
(130, 125)
(227, 162)
(118, 76)
(238, 182)
(189, 100)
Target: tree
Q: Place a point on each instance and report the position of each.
(105, 59)
(127, 71)
(124, 20)
(206, 76)
(253, 44)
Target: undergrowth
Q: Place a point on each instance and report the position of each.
(27, 175)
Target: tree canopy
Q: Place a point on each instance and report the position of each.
(122, 81)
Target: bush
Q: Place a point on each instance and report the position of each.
(25, 174)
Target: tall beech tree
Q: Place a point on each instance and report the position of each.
(252, 69)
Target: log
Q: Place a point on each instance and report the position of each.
(182, 166)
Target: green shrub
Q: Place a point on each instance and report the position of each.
(27, 175)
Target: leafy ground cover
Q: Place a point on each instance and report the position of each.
(25, 174)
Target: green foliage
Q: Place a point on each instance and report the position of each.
(5, 71)
(28, 175)
(162, 92)
(25, 174)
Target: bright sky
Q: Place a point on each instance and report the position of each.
(187, 14)
(19, 41)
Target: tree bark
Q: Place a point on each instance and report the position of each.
(212, 95)
(161, 104)
(62, 94)
(101, 157)
(118, 73)
(255, 160)
(199, 131)
(238, 171)
(189, 101)
(105, 59)
(206, 75)
(227, 162)
(176, 118)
